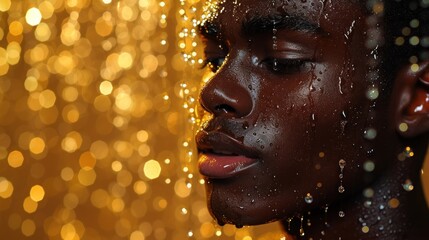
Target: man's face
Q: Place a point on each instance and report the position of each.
(286, 101)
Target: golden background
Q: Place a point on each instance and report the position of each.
(96, 116)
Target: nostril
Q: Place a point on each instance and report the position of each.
(224, 108)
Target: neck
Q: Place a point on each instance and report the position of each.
(388, 210)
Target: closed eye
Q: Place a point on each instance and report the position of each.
(284, 65)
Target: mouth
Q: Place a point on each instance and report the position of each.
(222, 156)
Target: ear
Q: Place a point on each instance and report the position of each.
(411, 100)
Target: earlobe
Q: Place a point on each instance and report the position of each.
(411, 93)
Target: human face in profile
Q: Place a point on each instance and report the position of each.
(288, 108)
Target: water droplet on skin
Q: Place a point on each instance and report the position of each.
(350, 30)
(341, 189)
(275, 65)
(308, 198)
(341, 213)
(340, 83)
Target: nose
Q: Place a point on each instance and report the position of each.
(224, 95)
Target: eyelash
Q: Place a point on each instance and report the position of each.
(213, 63)
(284, 65)
(275, 65)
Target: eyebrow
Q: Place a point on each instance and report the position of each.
(261, 24)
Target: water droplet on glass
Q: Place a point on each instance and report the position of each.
(408, 152)
(342, 163)
(308, 198)
(372, 93)
(367, 204)
(408, 185)
(369, 166)
(370, 133)
(301, 232)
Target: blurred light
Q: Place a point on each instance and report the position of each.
(33, 16)
(152, 169)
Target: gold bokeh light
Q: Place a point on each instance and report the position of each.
(95, 108)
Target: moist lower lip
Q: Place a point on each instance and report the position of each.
(222, 166)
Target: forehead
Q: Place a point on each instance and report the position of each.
(327, 14)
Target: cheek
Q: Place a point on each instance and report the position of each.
(307, 134)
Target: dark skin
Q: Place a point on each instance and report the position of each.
(289, 108)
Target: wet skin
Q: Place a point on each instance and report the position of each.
(290, 107)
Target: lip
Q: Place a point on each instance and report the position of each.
(222, 156)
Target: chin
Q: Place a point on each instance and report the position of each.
(232, 206)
